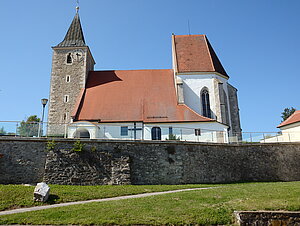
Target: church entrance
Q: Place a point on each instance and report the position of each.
(82, 133)
(156, 133)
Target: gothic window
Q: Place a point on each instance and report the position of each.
(66, 98)
(69, 58)
(68, 78)
(205, 103)
(124, 130)
(156, 133)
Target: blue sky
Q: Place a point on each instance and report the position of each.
(257, 42)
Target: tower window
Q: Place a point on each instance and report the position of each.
(66, 98)
(68, 78)
(205, 103)
(65, 117)
(69, 58)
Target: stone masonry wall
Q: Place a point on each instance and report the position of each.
(22, 161)
(146, 162)
(234, 112)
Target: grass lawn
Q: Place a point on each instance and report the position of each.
(214, 206)
(17, 196)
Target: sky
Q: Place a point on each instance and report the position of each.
(257, 41)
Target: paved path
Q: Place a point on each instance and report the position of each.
(23, 210)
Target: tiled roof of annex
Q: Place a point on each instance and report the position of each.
(295, 117)
(193, 53)
(132, 96)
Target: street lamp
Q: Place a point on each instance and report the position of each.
(44, 102)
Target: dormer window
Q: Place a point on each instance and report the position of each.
(69, 58)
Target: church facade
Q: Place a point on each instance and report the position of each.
(193, 101)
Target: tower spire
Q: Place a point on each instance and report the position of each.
(74, 36)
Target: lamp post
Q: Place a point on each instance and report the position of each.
(44, 102)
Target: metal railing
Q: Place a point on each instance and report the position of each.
(139, 131)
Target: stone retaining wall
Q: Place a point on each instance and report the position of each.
(267, 218)
(145, 162)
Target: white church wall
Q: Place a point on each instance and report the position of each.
(192, 86)
(194, 83)
(113, 131)
(210, 132)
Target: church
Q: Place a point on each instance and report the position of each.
(193, 101)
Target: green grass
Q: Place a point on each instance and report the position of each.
(214, 206)
(17, 196)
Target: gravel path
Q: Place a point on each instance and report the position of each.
(23, 210)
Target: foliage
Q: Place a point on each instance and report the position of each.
(78, 146)
(29, 128)
(287, 112)
(204, 207)
(50, 145)
(2, 131)
(172, 137)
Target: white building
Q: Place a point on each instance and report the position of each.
(193, 101)
(290, 130)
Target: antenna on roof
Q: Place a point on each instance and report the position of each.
(77, 6)
(189, 27)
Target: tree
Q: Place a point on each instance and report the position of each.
(287, 112)
(2, 131)
(30, 127)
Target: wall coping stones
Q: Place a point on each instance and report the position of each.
(67, 140)
(267, 217)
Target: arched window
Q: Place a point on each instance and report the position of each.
(69, 58)
(205, 103)
(156, 133)
(82, 133)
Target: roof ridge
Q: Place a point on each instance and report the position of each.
(210, 57)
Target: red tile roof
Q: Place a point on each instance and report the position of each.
(295, 117)
(195, 54)
(133, 95)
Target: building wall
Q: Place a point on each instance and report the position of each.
(289, 133)
(210, 131)
(192, 87)
(117, 162)
(235, 130)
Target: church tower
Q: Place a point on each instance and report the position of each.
(71, 62)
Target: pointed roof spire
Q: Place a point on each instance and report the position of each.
(74, 36)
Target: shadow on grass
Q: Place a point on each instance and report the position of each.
(52, 199)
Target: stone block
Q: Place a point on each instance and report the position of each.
(41, 192)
